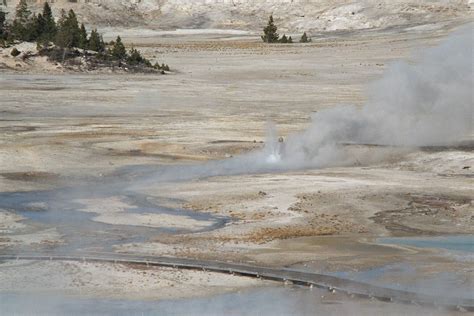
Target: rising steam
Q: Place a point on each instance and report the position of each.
(428, 103)
(425, 103)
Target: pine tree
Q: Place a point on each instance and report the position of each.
(62, 18)
(83, 37)
(3, 18)
(22, 13)
(34, 27)
(270, 32)
(39, 24)
(48, 24)
(118, 50)
(73, 28)
(62, 39)
(284, 39)
(290, 40)
(68, 33)
(20, 27)
(134, 57)
(305, 38)
(96, 43)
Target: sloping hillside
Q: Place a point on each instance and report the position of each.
(290, 15)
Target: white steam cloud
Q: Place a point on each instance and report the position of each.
(429, 102)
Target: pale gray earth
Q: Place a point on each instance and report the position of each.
(292, 16)
(101, 136)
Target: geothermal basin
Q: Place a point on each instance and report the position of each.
(176, 167)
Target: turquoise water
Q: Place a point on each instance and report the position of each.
(463, 243)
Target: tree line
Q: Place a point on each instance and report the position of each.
(65, 34)
(270, 34)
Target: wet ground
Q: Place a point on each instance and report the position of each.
(420, 276)
(266, 301)
(462, 243)
(60, 209)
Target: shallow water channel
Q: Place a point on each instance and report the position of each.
(420, 276)
(61, 209)
(463, 243)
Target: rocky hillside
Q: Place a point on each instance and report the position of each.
(290, 15)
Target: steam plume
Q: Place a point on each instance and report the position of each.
(425, 103)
